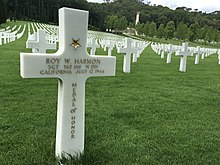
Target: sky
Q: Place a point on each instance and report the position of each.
(202, 5)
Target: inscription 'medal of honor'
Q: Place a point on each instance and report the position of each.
(72, 65)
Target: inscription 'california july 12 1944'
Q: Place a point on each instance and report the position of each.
(72, 65)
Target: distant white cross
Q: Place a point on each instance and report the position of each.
(136, 53)
(219, 56)
(128, 50)
(162, 51)
(184, 53)
(198, 52)
(40, 45)
(0, 38)
(169, 55)
(93, 45)
(72, 65)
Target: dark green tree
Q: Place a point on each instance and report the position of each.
(146, 29)
(169, 30)
(140, 28)
(161, 31)
(3, 16)
(202, 33)
(193, 32)
(181, 31)
(122, 23)
(210, 34)
(152, 29)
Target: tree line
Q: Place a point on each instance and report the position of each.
(117, 14)
(193, 32)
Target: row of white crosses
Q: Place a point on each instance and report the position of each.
(109, 42)
(72, 66)
(130, 48)
(9, 35)
(183, 51)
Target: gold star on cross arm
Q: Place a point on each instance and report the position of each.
(75, 44)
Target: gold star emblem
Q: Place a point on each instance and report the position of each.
(75, 44)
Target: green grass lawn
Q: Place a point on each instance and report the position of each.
(153, 116)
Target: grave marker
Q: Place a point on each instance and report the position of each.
(169, 55)
(0, 38)
(219, 56)
(136, 53)
(40, 45)
(127, 57)
(93, 45)
(72, 65)
(198, 52)
(184, 53)
(162, 51)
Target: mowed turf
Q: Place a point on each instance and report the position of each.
(154, 115)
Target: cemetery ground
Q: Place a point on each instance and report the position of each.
(154, 115)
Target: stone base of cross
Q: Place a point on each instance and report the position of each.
(72, 65)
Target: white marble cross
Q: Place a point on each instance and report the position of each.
(162, 50)
(219, 56)
(40, 45)
(203, 54)
(93, 45)
(6, 37)
(184, 53)
(72, 65)
(198, 52)
(110, 45)
(0, 38)
(128, 50)
(169, 55)
(137, 53)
